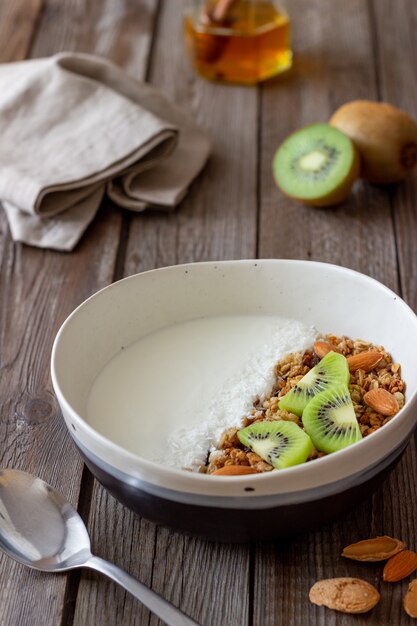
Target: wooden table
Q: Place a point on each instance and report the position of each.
(345, 50)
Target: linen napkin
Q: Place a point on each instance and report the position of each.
(74, 127)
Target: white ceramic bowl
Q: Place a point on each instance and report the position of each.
(332, 298)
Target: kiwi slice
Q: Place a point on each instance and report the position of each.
(330, 420)
(317, 165)
(332, 369)
(281, 444)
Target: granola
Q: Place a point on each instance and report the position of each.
(288, 371)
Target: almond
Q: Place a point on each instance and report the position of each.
(382, 401)
(365, 361)
(410, 599)
(400, 566)
(376, 549)
(321, 348)
(235, 470)
(349, 595)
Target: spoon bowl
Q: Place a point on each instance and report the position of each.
(40, 529)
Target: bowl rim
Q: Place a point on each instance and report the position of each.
(199, 480)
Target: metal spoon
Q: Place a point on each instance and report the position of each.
(39, 528)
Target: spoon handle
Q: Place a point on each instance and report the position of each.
(153, 601)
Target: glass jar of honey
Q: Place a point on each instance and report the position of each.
(238, 41)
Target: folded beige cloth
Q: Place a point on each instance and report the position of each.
(75, 126)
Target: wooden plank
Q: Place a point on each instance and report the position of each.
(38, 290)
(123, 538)
(396, 52)
(18, 21)
(120, 31)
(335, 64)
(208, 581)
(217, 220)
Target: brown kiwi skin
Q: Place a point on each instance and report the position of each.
(338, 195)
(385, 137)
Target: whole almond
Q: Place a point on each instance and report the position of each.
(321, 348)
(410, 599)
(235, 470)
(349, 595)
(365, 361)
(381, 401)
(400, 566)
(376, 549)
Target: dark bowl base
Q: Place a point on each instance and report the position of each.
(240, 525)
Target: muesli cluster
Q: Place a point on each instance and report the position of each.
(376, 392)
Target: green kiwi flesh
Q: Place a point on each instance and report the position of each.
(332, 369)
(316, 165)
(330, 420)
(280, 443)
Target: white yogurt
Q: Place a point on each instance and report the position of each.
(170, 395)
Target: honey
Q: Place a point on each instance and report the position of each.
(252, 46)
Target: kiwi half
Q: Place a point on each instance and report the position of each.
(280, 443)
(332, 369)
(330, 420)
(317, 165)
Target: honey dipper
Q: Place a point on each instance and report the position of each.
(209, 47)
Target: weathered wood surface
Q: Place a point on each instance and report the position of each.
(18, 21)
(346, 50)
(396, 57)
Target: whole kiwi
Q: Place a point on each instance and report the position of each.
(385, 137)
